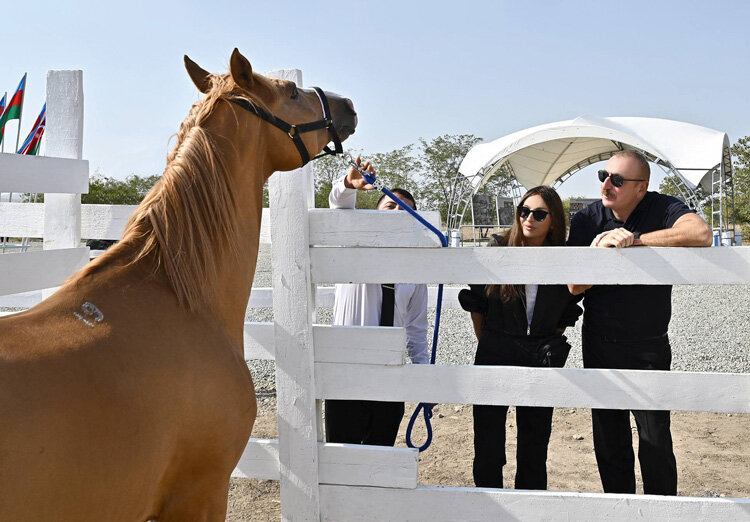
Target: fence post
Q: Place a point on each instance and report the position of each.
(64, 135)
(293, 309)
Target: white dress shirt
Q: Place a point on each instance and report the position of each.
(360, 304)
(531, 291)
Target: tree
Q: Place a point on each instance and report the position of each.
(500, 184)
(110, 191)
(326, 170)
(741, 160)
(396, 169)
(104, 190)
(440, 159)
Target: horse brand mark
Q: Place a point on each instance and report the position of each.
(92, 311)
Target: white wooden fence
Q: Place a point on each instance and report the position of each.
(346, 482)
(340, 482)
(62, 176)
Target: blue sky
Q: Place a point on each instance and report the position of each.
(413, 69)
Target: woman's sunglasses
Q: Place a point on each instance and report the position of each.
(539, 214)
(616, 179)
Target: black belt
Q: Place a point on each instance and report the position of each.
(615, 340)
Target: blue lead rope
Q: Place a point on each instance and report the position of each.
(424, 407)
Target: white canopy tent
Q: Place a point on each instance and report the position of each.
(549, 154)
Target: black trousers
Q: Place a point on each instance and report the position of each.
(534, 424)
(363, 422)
(613, 443)
(534, 428)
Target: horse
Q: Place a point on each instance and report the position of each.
(125, 395)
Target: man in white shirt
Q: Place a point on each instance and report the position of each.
(374, 422)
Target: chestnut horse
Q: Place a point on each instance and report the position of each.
(125, 396)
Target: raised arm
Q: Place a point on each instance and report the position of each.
(344, 190)
(341, 196)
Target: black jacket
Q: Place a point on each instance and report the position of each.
(504, 339)
(554, 308)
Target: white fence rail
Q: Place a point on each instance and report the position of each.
(21, 173)
(533, 265)
(38, 270)
(522, 386)
(359, 504)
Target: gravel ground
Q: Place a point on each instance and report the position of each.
(709, 331)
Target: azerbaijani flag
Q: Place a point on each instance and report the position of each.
(13, 111)
(31, 144)
(2, 109)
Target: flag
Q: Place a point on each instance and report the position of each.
(13, 111)
(31, 144)
(2, 109)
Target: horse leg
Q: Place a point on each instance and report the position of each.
(203, 500)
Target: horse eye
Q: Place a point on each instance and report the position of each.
(295, 94)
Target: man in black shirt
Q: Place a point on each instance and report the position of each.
(626, 326)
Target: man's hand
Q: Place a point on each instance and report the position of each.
(578, 289)
(618, 238)
(355, 180)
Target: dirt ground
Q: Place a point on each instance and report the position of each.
(712, 450)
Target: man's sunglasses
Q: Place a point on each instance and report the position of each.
(616, 179)
(539, 214)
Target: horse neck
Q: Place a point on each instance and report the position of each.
(236, 258)
(236, 265)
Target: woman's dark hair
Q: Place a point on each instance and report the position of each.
(514, 237)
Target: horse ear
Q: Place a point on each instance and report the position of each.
(241, 70)
(200, 77)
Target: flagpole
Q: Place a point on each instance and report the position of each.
(2, 144)
(2, 149)
(20, 112)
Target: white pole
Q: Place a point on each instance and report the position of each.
(20, 113)
(293, 308)
(64, 132)
(2, 144)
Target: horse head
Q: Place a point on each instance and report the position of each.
(289, 110)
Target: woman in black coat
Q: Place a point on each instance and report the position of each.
(521, 325)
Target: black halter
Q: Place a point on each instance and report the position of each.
(294, 131)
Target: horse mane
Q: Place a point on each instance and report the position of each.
(189, 213)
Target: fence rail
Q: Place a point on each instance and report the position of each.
(533, 265)
(97, 221)
(524, 386)
(21, 173)
(38, 270)
(338, 464)
(438, 504)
